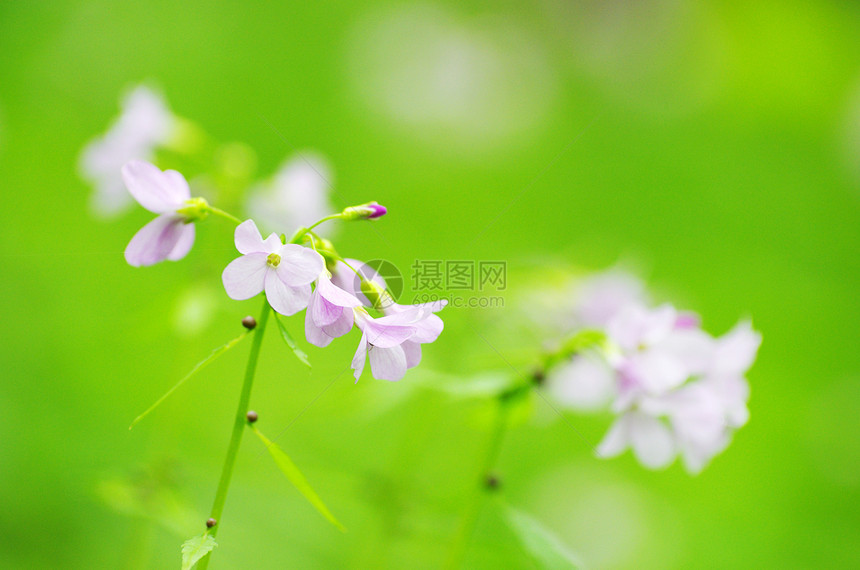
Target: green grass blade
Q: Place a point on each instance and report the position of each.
(196, 548)
(289, 469)
(541, 544)
(197, 367)
(291, 342)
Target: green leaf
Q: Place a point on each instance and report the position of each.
(542, 545)
(196, 548)
(197, 367)
(291, 342)
(482, 386)
(581, 341)
(289, 469)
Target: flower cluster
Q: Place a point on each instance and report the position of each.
(391, 342)
(676, 389)
(294, 275)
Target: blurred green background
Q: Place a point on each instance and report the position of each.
(715, 146)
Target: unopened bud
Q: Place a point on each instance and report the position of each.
(251, 416)
(249, 323)
(368, 211)
(374, 293)
(210, 523)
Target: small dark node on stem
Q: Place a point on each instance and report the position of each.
(251, 416)
(492, 482)
(249, 322)
(210, 523)
(538, 376)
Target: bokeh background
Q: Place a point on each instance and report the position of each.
(714, 146)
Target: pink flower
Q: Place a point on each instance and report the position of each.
(329, 312)
(695, 420)
(171, 234)
(650, 438)
(381, 341)
(604, 295)
(285, 272)
(296, 195)
(427, 328)
(657, 352)
(393, 343)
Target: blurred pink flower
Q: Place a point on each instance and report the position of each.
(696, 419)
(297, 194)
(144, 125)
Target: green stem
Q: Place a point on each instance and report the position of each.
(473, 509)
(238, 429)
(327, 218)
(223, 214)
(301, 232)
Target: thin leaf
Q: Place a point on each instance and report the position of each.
(289, 469)
(291, 342)
(196, 548)
(542, 544)
(482, 386)
(197, 367)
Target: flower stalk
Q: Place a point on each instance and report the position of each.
(238, 427)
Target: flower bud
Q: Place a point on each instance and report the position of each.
(368, 211)
(210, 523)
(251, 416)
(249, 323)
(194, 209)
(376, 294)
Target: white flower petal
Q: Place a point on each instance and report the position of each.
(657, 371)
(299, 265)
(428, 329)
(694, 348)
(585, 383)
(616, 439)
(283, 298)
(183, 246)
(248, 239)
(334, 294)
(386, 336)
(177, 185)
(412, 350)
(387, 363)
(736, 350)
(150, 187)
(359, 357)
(341, 326)
(651, 441)
(313, 333)
(272, 243)
(155, 241)
(245, 276)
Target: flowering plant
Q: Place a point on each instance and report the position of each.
(673, 389)
(303, 272)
